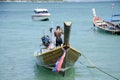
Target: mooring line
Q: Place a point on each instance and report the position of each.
(94, 66)
(106, 73)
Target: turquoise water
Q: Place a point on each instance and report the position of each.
(20, 37)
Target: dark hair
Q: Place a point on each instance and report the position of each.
(58, 27)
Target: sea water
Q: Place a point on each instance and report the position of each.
(20, 37)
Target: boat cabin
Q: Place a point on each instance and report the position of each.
(37, 11)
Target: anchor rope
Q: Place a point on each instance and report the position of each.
(94, 66)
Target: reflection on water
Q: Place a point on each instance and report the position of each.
(42, 73)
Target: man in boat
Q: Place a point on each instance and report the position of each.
(45, 40)
(57, 34)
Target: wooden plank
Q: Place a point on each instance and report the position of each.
(67, 27)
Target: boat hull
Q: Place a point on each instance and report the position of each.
(109, 31)
(35, 18)
(48, 59)
(41, 17)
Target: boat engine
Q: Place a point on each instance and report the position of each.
(45, 40)
(118, 26)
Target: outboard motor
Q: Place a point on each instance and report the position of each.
(45, 40)
(118, 26)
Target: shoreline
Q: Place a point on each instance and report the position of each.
(40, 1)
(32, 1)
(60, 1)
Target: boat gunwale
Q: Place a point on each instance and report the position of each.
(47, 52)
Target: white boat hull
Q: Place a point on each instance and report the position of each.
(42, 17)
(39, 18)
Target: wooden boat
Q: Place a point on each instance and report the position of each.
(112, 25)
(49, 57)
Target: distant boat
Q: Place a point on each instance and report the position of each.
(111, 25)
(60, 58)
(41, 14)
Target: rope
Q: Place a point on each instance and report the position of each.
(94, 66)
(106, 73)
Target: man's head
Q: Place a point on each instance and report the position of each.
(58, 27)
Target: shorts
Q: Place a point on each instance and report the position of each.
(58, 42)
